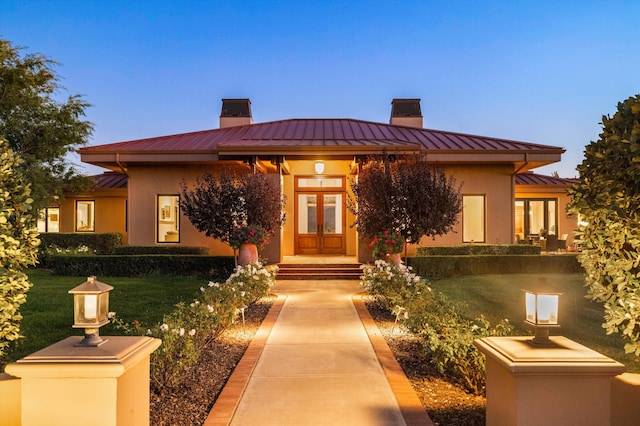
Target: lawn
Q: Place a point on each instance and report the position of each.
(501, 296)
(48, 312)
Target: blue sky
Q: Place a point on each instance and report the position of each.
(536, 71)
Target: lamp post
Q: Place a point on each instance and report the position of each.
(90, 310)
(541, 313)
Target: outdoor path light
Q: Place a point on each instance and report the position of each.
(541, 311)
(90, 310)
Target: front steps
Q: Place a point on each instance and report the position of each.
(329, 271)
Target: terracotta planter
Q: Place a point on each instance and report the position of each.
(248, 253)
(394, 258)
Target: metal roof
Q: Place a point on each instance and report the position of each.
(110, 180)
(536, 179)
(335, 133)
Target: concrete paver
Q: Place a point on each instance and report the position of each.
(317, 366)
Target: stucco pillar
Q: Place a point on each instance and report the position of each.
(567, 384)
(106, 385)
(273, 251)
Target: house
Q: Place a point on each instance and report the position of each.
(313, 161)
(102, 209)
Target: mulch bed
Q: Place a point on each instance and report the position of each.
(191, 401)
(446, 403)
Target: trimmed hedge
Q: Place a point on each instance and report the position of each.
(210, 267)
(448, 266)
(478, 249)
(101, 243)
(137, 250)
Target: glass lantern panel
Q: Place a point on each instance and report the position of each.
(103, 301)
(530, 303)
(548, 309)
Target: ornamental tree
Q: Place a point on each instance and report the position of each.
(38, 127)
(608, 200)
(18, 244)
(407, 196)
(216, 205)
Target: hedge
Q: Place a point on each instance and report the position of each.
(173, 249)
(447, 266)
(101, 243)
(478, 249)
(211, 267)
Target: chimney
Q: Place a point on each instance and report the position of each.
(406, 112)
(235, 112)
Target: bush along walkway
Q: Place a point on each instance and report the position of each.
(316, 364)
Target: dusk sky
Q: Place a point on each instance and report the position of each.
(535, 71)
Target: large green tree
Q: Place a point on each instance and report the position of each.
(18, 244)
(38, 127)
(608, 200)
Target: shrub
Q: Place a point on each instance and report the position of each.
(190, 327)
(210, 267)
(99, 243)
(608, 199)
(478, 249)
(173, 249)
(18, 244)
(444, 332)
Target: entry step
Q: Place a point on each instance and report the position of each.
(299, 271)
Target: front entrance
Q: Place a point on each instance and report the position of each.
(320, 215)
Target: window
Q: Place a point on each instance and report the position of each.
(85, 216)
(168, 219)
(49, 220)
(473, 219)
(534, 215)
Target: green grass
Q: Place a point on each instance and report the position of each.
(48, 312)
(501, 296)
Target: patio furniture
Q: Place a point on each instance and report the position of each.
(552, 242)
(562, 242)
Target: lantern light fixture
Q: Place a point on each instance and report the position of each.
(319, 167)
(90, 310)
(541, 312)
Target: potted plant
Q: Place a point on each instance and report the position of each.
(238, 208)
(388, 245)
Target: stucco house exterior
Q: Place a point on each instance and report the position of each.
(313, 161)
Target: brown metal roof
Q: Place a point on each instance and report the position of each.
(536, 179)
(334, 133)
(110, 180)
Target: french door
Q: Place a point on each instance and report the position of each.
(320, 217)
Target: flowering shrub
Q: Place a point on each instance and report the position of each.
(249, 234)
(190, 327)
(444, 331)
(387, 243)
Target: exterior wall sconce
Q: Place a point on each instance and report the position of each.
(90, 310)
(541, 313)
(319, 166)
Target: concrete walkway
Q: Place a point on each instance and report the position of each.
(318, 359)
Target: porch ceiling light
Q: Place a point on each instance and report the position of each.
(541, 312)
(90, 310)
(319, 166)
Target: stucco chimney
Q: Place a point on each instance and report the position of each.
(406, 112)
(235, 112)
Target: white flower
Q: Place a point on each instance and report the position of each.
(192, 332)
(181, 331)
(148, 332)
(242, 293)
(111, 315)
(202, 289)
(164, 327)
(474, 327)
(210, 308)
